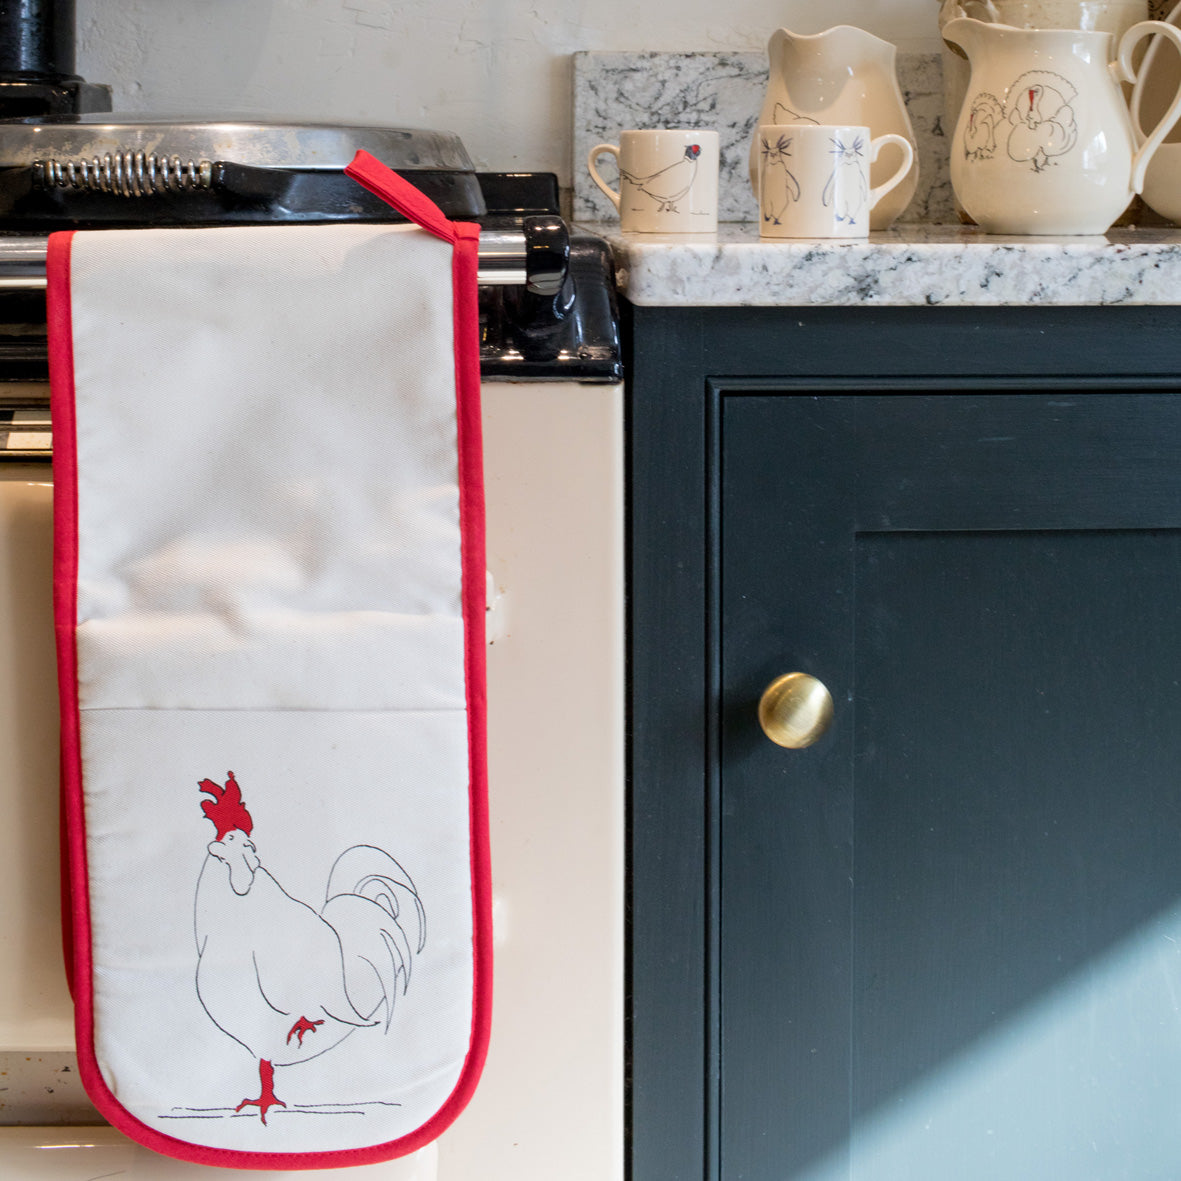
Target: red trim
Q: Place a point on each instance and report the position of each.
(76, 936)
(65, 600)
(76, 932)
(472, 539)
(415, 206)
(465, 237)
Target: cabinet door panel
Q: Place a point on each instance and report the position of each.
(951, 931)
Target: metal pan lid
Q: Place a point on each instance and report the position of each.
(256, 142)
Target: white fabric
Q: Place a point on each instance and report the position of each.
(269, 584)
(264, 447)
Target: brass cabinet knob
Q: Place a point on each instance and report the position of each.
(795, 710)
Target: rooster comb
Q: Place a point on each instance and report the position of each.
(226, 809)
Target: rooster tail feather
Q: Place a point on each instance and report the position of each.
(372, 873)
(398, 949)
(374, 952)
(421, 922)
(390, 896)
(358, 866)
(399, 968)
(372, 903)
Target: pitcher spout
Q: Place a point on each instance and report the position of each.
(847, 40)
(964, 33)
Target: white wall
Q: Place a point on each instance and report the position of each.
(497, 72)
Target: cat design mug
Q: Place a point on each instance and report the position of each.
(814, 179)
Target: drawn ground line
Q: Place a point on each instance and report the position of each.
(307, 1108)
(248, 1115)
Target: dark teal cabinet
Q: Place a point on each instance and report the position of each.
(946, 939)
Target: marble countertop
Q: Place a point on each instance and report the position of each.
(909, 265)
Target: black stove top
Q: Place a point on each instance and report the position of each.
(65, 163)
(563, 326)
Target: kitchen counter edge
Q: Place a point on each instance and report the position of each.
(906, 266)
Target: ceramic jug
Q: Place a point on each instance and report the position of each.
(1104, 16)
(841, 76)
(1044, 143)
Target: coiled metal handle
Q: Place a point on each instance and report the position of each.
(126, 174)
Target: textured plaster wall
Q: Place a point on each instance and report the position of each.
(497, 72)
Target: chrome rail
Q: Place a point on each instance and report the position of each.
(502, 261)
(26, 432)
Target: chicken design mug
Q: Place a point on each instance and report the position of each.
(814, 179)
(668, 181)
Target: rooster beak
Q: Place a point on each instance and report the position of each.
(240, 858)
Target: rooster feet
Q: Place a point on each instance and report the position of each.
(302, 1026)
(266, 1099)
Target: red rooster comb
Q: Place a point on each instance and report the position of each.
(226, 809)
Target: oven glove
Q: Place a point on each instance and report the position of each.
(269, 595)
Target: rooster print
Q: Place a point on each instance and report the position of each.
(1043, 120)
(986, 115)
(780, 187)
(1037, 121)
(846, 192)
(668, 185)
(287, 981)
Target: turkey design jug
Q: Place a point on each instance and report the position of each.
(1044, 143)
(841, 76)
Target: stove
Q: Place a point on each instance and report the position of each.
(550, 1102)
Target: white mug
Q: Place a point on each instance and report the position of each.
(668, 181)
(814, 179)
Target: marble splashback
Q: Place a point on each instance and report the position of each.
(724, 92)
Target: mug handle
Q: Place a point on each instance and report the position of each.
(1125, 72)
(875, 195)
(595, 152)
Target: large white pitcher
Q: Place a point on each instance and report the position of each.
(1044, 143)
(841, 76)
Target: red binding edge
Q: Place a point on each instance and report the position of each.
(464, 236)
(75, 903)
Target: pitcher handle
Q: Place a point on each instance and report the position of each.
(1126, 73)
(987, 11)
